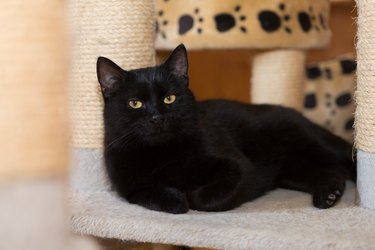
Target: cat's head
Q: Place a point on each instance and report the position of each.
(147, 106)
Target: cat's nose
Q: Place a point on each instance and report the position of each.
(157, 119)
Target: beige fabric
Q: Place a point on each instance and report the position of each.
(120, 30)
(277, 78)
(33, 117)
(240, 24)
(365, 93)
(280, 220)
(327, 87)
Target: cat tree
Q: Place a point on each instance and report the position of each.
(281, 220)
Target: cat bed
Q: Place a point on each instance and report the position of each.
(282, 219)
(328, 95)
(242, 24)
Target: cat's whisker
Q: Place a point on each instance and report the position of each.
(118, 139)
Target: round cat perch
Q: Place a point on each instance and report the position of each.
(287, 29)
(280, 220)
(365, 96)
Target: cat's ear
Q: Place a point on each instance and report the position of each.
(177, 62)
(110, 76)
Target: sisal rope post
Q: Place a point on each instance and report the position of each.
(124, 31)
(277, 78)
(120, 30)
(34, 143)
(365, 98)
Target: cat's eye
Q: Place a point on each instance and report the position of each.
(169, 99)
(135, 104)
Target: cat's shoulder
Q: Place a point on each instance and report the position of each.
(231, 105)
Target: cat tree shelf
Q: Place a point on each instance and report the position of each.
(242, 24)
(282, 219)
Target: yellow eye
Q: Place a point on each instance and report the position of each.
(169, 99)
(135, 104)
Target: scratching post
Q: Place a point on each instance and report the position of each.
(365, 96)
(277, 78)
(122, 31)
(34, 125)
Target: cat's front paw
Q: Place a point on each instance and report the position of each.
(169, 200)
(173, 201)
(327, 196)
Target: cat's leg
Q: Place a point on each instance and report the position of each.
(161, 198)
(223, 192)
(322, 178)
(328, 190)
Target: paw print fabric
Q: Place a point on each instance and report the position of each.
(328, 95)
(242, 24)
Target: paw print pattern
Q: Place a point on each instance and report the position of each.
(313, 72)
(310, 101)
(349, 125)
(348, 66)
(227, 21)
(186, 22)
(344, 99)
(270, 21)
(332, 103)
(308, 20)
(328, 100)
(160, 24)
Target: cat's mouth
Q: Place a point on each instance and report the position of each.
(159, 137)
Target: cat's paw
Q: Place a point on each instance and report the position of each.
(327, 196)
(172, 201)
(169, 200)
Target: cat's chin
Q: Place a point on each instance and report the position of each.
(158, 138)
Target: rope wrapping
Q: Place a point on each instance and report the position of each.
(365, 93)
(277, 78)
(120, 30)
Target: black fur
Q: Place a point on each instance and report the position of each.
(212, 155)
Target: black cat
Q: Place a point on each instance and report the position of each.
(167, 152)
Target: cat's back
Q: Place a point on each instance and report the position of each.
(237, 121)
(234, 112)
